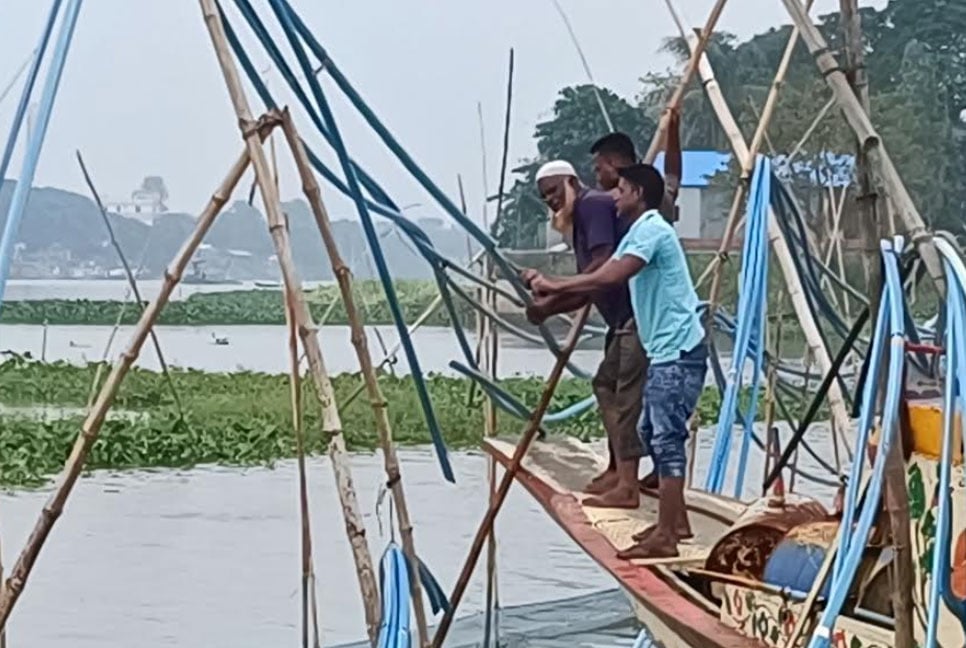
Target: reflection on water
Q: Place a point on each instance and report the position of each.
(210, 556)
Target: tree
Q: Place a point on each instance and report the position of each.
(576, 124)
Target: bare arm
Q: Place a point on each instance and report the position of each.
(672, 167)
(613, 273)
(549, 305)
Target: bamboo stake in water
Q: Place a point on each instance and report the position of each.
(343, 277)
(308, 575)
(20, 572)
(331, 421)
(529, 433)
(131, 279)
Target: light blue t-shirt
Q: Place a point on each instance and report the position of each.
(662, 294)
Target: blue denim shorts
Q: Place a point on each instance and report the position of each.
(670, 396)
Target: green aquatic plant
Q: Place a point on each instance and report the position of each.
(240, 418)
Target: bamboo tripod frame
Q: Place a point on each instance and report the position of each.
(341, 271)
(20, 571)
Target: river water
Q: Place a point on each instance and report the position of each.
(210, 556)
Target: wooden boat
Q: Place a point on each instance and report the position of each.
(715, 594)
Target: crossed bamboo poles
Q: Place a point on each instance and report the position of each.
(254, 133)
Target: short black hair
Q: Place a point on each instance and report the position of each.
(618, 144)
(648, 180)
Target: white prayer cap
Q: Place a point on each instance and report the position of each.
(556, 168)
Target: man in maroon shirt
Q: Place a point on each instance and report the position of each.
(615, 151)
(590, 218)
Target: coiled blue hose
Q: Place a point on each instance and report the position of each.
(394, 630)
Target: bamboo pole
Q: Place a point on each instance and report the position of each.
(779, 246)
(308, 572)
(873, 210)
(343, 276)
(678, 96)
(748, 165)
(529, 433)
(491, 349)
(54, 506)
(884, 173)
(331, 421)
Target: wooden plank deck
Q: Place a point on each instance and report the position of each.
(555, 470)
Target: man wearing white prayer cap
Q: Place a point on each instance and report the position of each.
(590, 217)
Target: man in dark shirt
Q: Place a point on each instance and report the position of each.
(615, 151)
(591, 218)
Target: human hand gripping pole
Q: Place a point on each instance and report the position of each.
(531, 430)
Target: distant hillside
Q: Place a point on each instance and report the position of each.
(64, 230)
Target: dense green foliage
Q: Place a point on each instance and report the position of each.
(239, 307)
(238, 419)
(916, 62)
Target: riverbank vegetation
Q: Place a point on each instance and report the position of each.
(235, 419)
(237, 307)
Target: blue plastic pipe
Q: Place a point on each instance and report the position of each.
(28, 90)
(22, 189)
(370, 231)
(384, 208)
(843, 577)
(751, 311)
(940, 590)
(394, 630)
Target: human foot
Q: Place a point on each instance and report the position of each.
(619, 497)
(683, 532)
(659, 544)
(602, 483)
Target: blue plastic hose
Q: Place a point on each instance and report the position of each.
(21, 192)
(853, 545)
(394, 630)
(382, 267)
(28, 90)
(752, 311)
(940, 590)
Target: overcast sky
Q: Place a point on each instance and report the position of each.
(142, 94)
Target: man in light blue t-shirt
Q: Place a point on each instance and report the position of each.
(650, 259)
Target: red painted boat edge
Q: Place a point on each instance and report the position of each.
(688, 619)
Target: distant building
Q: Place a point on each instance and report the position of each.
(146, 202)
